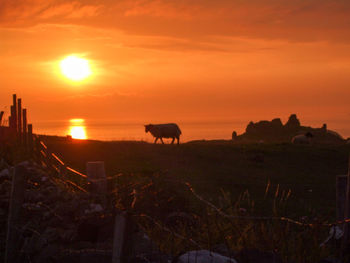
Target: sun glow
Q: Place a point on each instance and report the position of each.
(75, 68)
(77, 129)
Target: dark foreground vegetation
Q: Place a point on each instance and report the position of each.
(227, 197)
(211, 167)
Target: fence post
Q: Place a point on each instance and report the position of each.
(345, 244)
(14, 111)
(119, 237)
(1, 115)
(24, 128)
(19, 120)
(30, 138)
(16, 201)
(13, 119)
(96, 175)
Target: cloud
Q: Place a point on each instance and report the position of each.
(23, 13)
(73, 9)
(296, 20)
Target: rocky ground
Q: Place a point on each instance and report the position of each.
(58, 223)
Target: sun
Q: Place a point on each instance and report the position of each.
(77, 129)
(75, 68)
(78, 132)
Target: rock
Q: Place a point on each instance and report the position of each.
(44, 179)
(203, 256)
(94, 208)
(293, 123)
(5, 173)
(32, 206)
(276, 123)
(265, 127)
(24, 163)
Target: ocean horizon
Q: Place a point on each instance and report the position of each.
(111, 130)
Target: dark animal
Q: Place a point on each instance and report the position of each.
(160, 131)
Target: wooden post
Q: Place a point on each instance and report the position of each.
(119, 237)
(345, 244)
(12, 119)
(30, 138)
(16, 201)
(19, 120)
(1, 115)
(14, 111)
(24, 128)
(96, 175)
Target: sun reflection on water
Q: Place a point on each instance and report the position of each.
(77, 129)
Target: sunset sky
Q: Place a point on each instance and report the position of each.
(167, 60)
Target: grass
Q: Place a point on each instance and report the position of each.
(272, 180)
(211, 166)
(201, 227)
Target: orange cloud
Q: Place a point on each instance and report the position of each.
(32, 12)
(73, 9)
(297, 20)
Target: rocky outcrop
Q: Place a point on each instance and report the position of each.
(275, 131)
(265, 127)
(293, 123)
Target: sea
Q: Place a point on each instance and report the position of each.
(110, 130)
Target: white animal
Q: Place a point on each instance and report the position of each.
(204, 256)
(335, 134)
(302, 138)
(160, 131)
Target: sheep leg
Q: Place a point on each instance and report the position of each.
(161, 140)
(172, 142)
(156, 140)
(178, 139)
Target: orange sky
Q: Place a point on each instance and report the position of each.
(165, 60)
